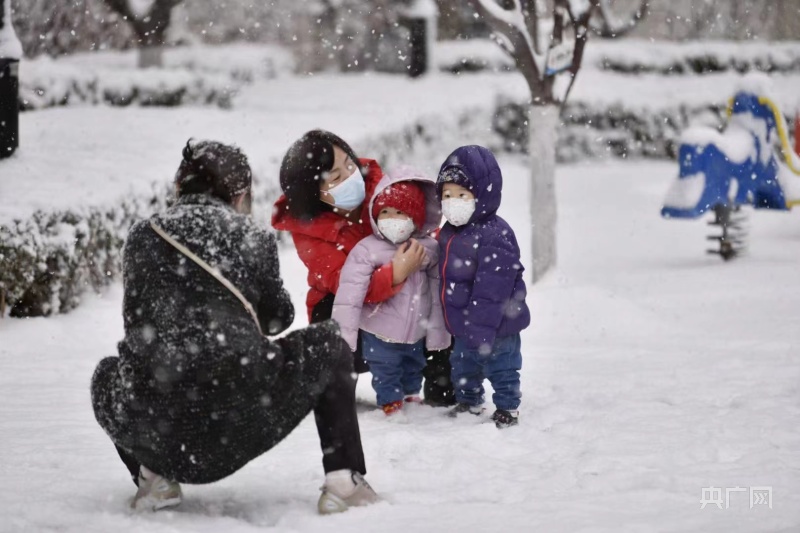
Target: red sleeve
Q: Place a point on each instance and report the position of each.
(380, 286)
(325, 260)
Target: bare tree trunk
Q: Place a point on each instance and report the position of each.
(150, 28)
(543, 124)
(151, 56)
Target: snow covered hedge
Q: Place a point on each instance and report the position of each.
(694, 57)
(601, 131)
(47, 261)
(635, 56)
(50, 259)
(47, 83)
(203, 75)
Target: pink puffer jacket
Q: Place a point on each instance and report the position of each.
(416, 311)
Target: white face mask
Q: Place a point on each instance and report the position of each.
(350, 193)
(395, 229)
(458, 211)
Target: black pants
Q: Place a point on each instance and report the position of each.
(322, 312)
(438, 388)
(336, 419)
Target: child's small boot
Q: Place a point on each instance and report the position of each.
(394, 412)
(344, 489)
(461, 408)
(155, 492)
(413, 399)
(392, 408)
(503, 419)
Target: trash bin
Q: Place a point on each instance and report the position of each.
(10, 53)
(9, 106)
(420, 17)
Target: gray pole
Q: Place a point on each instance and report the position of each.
(10, 54)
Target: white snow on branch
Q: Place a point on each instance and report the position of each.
(516, 19)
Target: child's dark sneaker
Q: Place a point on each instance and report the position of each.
(503, 419)
(392, 408)
(465, 408)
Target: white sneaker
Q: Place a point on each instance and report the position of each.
(155, 492)
(344, 489)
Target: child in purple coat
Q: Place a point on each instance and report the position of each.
(482, 290)
(395, 332)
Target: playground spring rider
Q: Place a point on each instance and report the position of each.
(724, 171)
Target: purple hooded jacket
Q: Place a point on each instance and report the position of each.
(482, 289)
(413, 313)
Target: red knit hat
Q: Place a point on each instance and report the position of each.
(405, 196)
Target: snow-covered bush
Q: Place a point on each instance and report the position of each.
(598, 131)
(239, 61)
(47, 261)
(201, 75)
(47, 83)
(50, 259)
(472, 55)
(634, 56)
(428, 139)
(698, 57)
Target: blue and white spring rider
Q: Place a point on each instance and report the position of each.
(722, 171)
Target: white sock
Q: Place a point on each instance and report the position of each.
(340, 481)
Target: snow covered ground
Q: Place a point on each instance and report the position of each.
(650, 372)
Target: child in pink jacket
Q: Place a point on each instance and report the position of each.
(396, 331)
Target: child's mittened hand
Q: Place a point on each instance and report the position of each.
(407, 259)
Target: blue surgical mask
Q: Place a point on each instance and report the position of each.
(349, 194)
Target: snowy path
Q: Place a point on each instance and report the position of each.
(650, 372)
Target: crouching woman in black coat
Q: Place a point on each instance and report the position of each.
(198, 390)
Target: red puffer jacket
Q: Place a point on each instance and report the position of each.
(324, 242)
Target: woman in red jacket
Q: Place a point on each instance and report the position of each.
(326, 191)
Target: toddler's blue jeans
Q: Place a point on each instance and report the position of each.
(501, 367)
(396, 368)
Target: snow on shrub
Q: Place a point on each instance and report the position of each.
(472, 55)
(242, 62)
(694, 57)
(635, 56)
(48, 260)
(48, 83)
(594, 130)
(198, 75)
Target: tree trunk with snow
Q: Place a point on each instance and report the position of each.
(543, 124)
(149, 20)
(518, 29)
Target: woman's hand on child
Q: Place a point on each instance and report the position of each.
(407, 259)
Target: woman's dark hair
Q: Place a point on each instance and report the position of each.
(302, 169)
(213, 168)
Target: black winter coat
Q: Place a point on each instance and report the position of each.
(197, 391)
